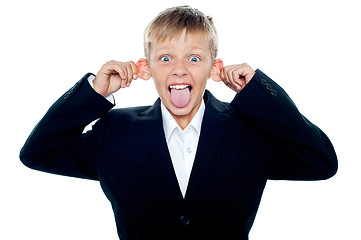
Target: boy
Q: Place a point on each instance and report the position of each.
(190, 166)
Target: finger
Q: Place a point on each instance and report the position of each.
(247, 73)
(224, 76)
(114, 83)
(237, 73)
(232, 78)
(111, 68)
(135, 72)
(120, 70)
(250, 73)
(228, 84)
(233, 88)
(130, 74)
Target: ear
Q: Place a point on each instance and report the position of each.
(216, 70)
(143, 69)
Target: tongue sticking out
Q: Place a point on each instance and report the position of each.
(180, 97)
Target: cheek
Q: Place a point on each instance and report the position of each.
(204, 70)
(160, 79)
(202, 76)
(157, 75)
(159, 71)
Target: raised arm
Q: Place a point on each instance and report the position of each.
(57, 143)
(304, 151)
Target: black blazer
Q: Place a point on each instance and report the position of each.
(260, 135)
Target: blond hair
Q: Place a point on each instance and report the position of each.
(171, 23)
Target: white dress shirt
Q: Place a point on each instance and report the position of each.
(182, 144)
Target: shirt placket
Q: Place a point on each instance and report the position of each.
(187, 151)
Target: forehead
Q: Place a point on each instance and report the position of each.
(185, 41)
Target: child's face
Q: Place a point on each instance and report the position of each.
(185, 61)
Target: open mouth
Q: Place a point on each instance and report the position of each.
(180, 94)
(180, 87)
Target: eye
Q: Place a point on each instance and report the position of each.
(165, 59)
(194, 59)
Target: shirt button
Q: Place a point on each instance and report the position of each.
(185, 220)
(189, 150)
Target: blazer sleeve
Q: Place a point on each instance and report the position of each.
(57, 143)
(303, 151)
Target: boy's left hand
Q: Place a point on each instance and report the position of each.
(237, 76)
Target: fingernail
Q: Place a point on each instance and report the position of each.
(135, 77)
(128, 84)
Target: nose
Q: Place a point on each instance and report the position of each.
(179, 69)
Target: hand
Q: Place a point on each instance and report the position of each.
(237, 76)
(114, 75)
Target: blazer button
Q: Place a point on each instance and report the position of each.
(75, 86)
(269, 87)
(274, 92)
(264, 82)
(66, 95)
(185, 220)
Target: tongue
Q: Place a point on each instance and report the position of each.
(180, 98)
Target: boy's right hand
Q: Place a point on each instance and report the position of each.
(114, 75)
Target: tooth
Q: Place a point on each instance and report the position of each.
(178, 86)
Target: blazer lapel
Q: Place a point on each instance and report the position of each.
(214, 124)
(151, 130)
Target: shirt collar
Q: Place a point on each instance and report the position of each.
(169, 123)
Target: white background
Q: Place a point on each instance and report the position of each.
(311, 48)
